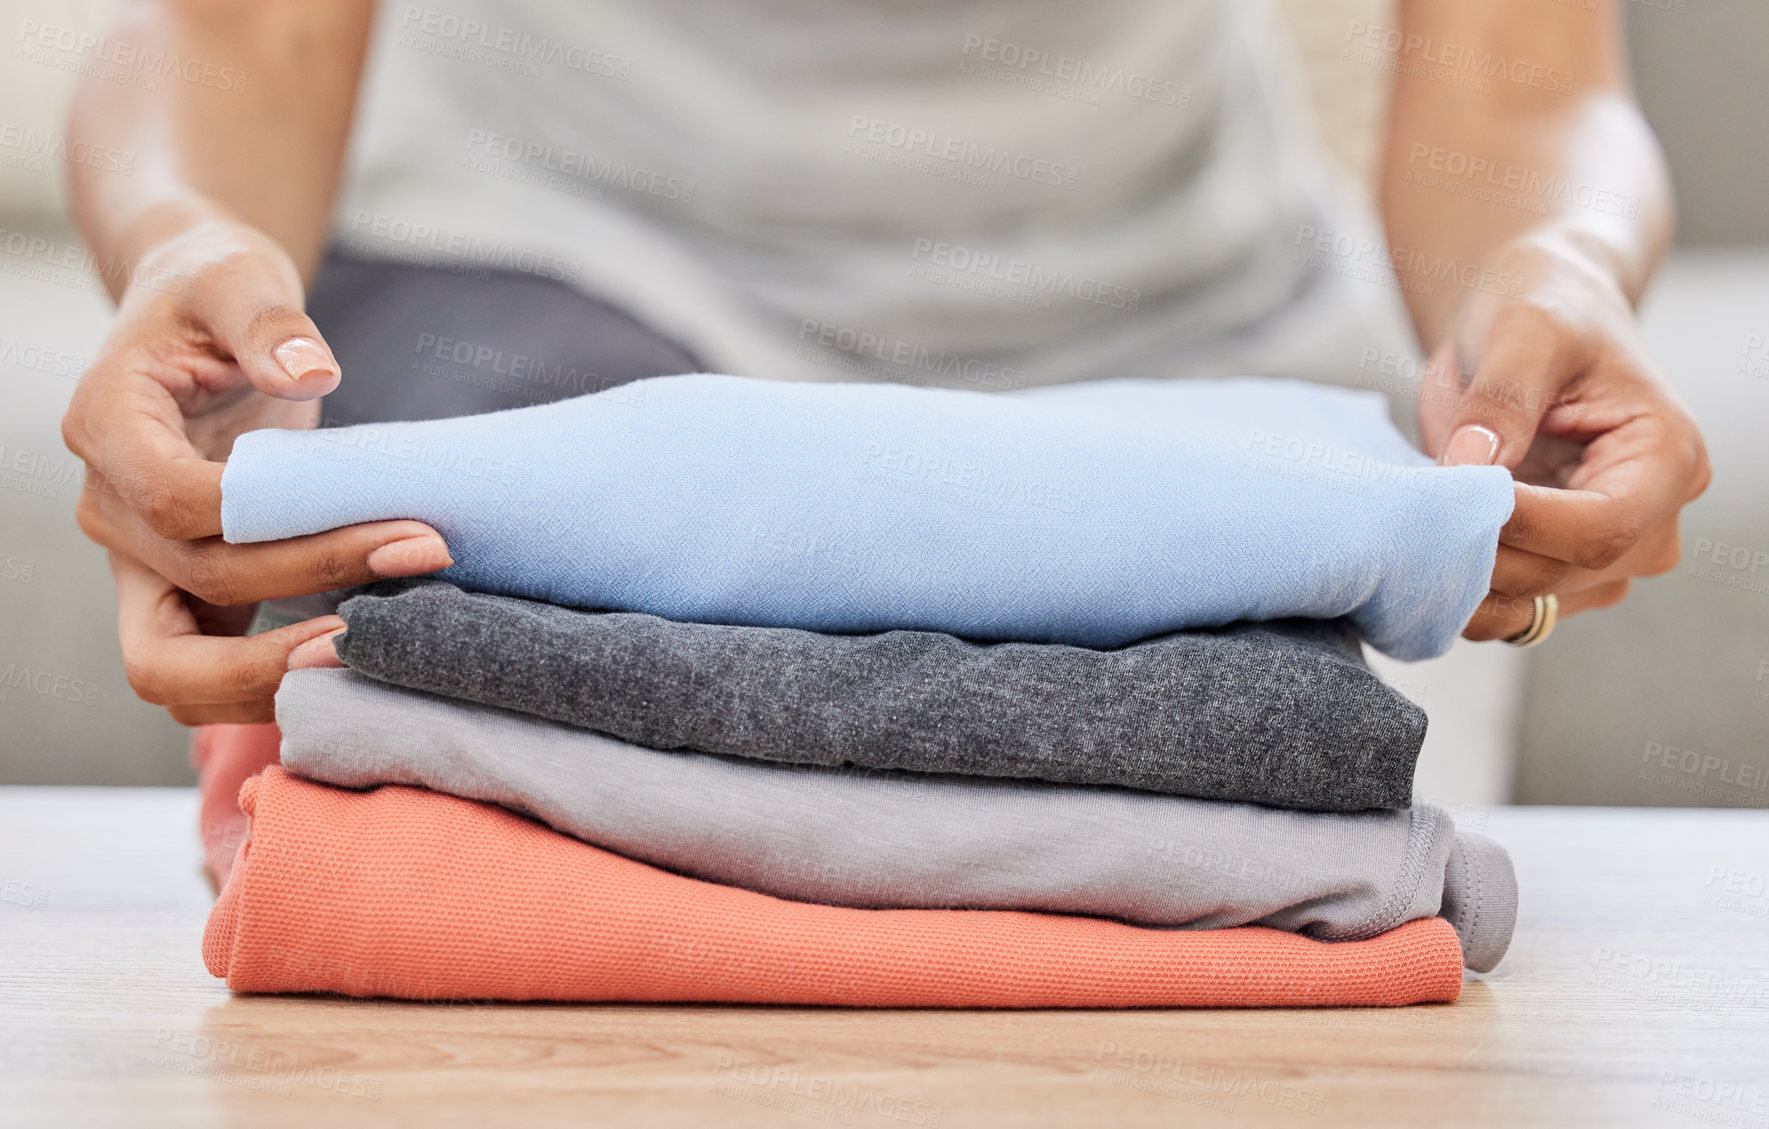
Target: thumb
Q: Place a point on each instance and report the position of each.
(1495, 419)
(253, 310)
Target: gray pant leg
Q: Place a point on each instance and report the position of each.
(420, 342)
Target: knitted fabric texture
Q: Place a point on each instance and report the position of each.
(413, 894)
(1094, 514)
(1284, 714)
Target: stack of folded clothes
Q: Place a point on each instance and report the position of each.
(867, 695)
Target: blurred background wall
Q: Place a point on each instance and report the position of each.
(66, 713)
(1664, 700)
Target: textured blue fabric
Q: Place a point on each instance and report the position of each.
(1095, 514)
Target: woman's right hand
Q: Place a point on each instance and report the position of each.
(209, 342)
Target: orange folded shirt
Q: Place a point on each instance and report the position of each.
(404, 892)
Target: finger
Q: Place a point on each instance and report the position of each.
(1527, 575)
(130, 432)
(253, 312)
(1628, 485)
(1524, 361)
(230, 575)
(215, 670)
(1504, 617)
(170, 663)
(1517, 572)
(178, 497)
(230, 713)
(317, 653)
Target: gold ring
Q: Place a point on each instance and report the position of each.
(1542, 626)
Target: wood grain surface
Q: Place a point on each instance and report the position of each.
(1636, 993)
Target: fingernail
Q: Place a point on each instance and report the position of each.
(1473, 445)
(412, 556)
(316, 652)
(303, 356)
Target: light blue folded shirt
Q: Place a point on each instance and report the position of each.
(1094, 514)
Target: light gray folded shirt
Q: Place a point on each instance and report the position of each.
(841, 836)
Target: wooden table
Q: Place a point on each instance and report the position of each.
(1636, 993)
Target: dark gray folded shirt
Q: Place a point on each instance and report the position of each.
(1284, 714)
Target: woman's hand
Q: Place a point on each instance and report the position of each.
(210, 342)
(1554, 383)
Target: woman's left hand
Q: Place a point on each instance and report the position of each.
(1552, 380)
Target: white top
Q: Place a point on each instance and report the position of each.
(956, 192)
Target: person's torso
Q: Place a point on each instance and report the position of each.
(956, 191)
